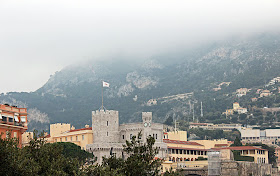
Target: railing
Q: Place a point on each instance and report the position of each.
(6, 121)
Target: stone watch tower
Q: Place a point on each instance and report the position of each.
(105, 126)
(147, 123)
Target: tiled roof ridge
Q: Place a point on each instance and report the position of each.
(181, 142)
(89, 128)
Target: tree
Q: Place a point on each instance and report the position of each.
(72, 150)
(38, 158)
(168, 121)
(140, 161)
(237, 142)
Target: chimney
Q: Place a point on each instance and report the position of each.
(87, 126)
(72, 128)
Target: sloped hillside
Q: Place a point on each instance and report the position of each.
(72, 93)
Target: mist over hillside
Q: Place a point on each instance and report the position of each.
(164, 84)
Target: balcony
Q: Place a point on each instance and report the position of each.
(10, 121)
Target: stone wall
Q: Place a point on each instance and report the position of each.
(236, 168)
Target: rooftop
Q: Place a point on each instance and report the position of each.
(89, 128)
(240, 148)
(181, 142)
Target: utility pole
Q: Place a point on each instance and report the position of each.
(201, 110)
(193, 111)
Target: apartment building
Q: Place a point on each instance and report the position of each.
(62, 132)
(13, 122)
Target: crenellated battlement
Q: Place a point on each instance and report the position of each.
(99, 112)
(147, 116)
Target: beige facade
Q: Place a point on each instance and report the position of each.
(62, 132)
(260, 155)
(208, 144)
(176, 135)
(26, 137)
(235, 106)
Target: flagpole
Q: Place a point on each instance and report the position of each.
(102, 96)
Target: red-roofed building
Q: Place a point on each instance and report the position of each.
(184, 150)
(13, 122)
(62, 132)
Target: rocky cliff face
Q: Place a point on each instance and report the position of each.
(72, 93)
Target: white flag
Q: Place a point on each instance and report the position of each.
(105, 84)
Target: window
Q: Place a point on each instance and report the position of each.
(60, 139)
(55, 140)
(107, 123)
(76, 138)
(71, 138)
(156, 136)
(15, 134)
(123, 136)
(130, 136)
(7, 134)
(107, 133)
(11, 119)
(65, 138)
(83, 137)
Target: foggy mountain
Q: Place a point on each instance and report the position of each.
(165, 84)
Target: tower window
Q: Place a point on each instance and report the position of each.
(156, 136)
(123, 136)
(107, 133)
(107, 123)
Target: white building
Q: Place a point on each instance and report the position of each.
(267, 136)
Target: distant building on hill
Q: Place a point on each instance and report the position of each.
(242, 92)
(235, 108)
(265, 93)
(13, 122)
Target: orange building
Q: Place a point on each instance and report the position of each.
(13, 122)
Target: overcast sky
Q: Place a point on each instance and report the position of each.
(40, 37)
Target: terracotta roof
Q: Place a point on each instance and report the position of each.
(165, 133)
(181, 142)
(90, 128)
(185, 148)
(240, 148)
(48, 136)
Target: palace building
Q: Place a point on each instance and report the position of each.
(109, 137)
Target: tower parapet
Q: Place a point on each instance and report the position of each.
(105, 126)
